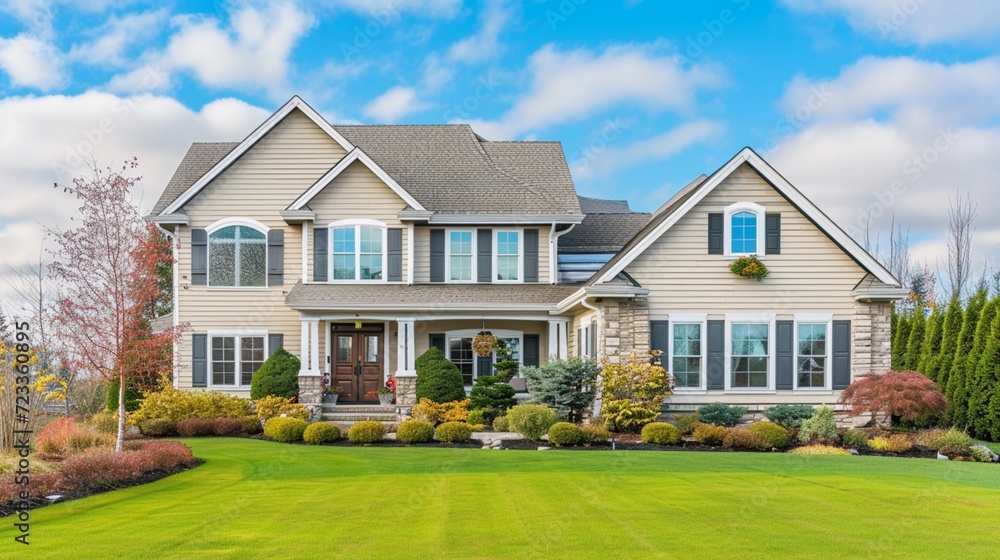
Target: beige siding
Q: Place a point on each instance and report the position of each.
(422, 254)
(811, 274)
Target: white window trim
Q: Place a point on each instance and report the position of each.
(223, 223)
(236, 334)
(447, 256)
(471, 333)
(583, 348)
(520, 256)
(813, 319)
(769, 319)
(727, 236)
(689, 319)
(357, 224)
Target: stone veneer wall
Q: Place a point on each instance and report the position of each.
(871, 334)
(406, 393)
(310, 390)
(624, 327)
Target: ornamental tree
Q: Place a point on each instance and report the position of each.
(564, 385)
(106, 269)
(904, 394)
(632, 393)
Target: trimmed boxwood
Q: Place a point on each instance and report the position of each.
(661, 433)
(277, 376)
(321, 432)
(774, 435)
(438, 379)
(285, 430)
(565, 433)
(721, 414)
(531, 420)
(453, 432)
(366, 431)
(415, 431)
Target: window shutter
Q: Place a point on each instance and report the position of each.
(199, 360)
(437, 255)
(659, 339)
(275, 257)
(532, 348)
(436, 340)
(715, 226)
(274, 341)
(784, 344)
(484, 255)
(321, 241)
(772, 236)
(394, 268)
(716, 366)
(531, 255)
(841, 354)
(579, 343)
(199, 257)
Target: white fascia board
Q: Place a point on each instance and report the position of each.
(169, 219)
(327, 306)
(295, 102)
(507, 219)
(354, 155)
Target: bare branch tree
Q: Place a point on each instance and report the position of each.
(961, 215)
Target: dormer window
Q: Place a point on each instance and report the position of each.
(744, 229)
(357, 250)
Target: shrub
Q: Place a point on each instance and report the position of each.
(133, 395)
(906, 394)
(531, 420)
(501, 424)
(415, 431)
(710, 434)
(855, 438)
(477, 416)
(937, 439)
(105, 422)
(565, 433)
(820, 427)
(686, 423)
(63, 437)
(273, 407)
(594, 433)
(174, 404)
(661, 433)
(898, 443)
(819, 450)
(774, 435)
(158, 428)
(321, 432)
(981, 454)
(223, 426)
(491, 394)
(436, 413)
(278, 376)
(789, 416)
(632, 393)
(103, 470)
(438, 379)
(743, 438)
(567, 386)
(366, 431)
(453, 432)
(721, 414)
(285, 430)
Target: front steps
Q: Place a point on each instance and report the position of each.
(348, 414)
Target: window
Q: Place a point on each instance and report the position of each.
(508, 256)
(460, 256)
(226, 361)
(743, 239)
(811, 350)
(686, 357)
(237, 256)
(461, 354)
(750, 355)
(358, 252)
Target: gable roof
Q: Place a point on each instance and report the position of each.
(603, 233)
(601, 206)
(691, 195)
(198, 160)
(354, 155)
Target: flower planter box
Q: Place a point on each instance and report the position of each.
(330, 399)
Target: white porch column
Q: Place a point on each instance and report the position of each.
(314, 347)
(553, 339)
(406, 347)
(304, 348)
(563, 340)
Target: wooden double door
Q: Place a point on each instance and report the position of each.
(357, 362)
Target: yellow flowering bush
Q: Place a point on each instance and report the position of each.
(632, 393)
(437, 413)
(272, 407)
(176, 405)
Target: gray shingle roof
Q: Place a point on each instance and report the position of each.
(200, 157)
(603, 233)
(426, 297)
(601, 206)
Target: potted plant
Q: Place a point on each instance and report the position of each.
(331, 394)
(749, 267)
(371, 395)
(384, 395)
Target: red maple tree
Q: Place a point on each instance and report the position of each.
(106, 272)
(906, 394)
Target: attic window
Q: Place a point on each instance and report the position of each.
(744, 229)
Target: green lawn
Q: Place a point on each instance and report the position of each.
(255, 499)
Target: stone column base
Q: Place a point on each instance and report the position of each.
(311, 390)
(406, 392)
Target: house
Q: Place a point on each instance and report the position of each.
(358, 247)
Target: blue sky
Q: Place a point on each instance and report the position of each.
(840, 95)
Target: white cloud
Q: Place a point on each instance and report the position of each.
(485, 43)
(573, 85)
(31, 62)
(112, 40)
(921, 22)
(393, 8)
(394, 104)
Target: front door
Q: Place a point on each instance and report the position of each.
(357, 363)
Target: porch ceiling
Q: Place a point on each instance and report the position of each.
(471, 297)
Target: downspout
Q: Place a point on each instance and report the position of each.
(176, 313)
(554, 251)
(600, 324)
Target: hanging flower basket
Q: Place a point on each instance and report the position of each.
(483, 343)
(749, 267)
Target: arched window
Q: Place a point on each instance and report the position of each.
(357, 251)
(237, 256)
(744, 233)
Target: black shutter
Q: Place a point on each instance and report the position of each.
(715, 234)
(659, 339)
(484, 366)
(531, 255)
(199, 257)
(437, 255)
(274, 341)
(841, 354)
(394, 268)
(784, 365)
(436, 340)
(321, 241)
(716, 366)
(199, 360)
(772, 238)
(579, 343)
(275, 257)
(484, 255)
(532, 350)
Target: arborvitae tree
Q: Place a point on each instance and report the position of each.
(958, 405)
(931, 347)
(915, 342)
(977, 383)
(950, 329)
(900, 338)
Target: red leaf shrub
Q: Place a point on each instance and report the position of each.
(222, 426)
(907, 394)
(63, 437)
